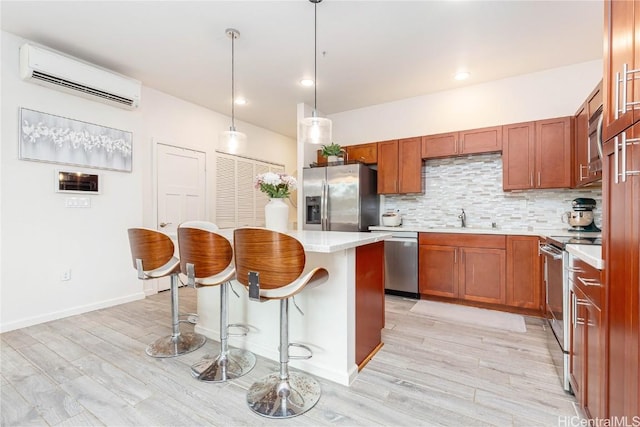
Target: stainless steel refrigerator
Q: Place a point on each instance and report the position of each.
(340, 198)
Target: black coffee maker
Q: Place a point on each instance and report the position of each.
(580, 218)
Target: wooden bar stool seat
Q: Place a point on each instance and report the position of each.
(206, 258)
(153, 257)
(271, 264)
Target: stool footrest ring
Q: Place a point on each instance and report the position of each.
(243, 327)
(303, 356)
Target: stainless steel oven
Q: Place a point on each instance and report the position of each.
(557, 310)
(557, 307)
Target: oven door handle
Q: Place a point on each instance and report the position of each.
(551, 251)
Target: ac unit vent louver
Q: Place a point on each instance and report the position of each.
(56, 70)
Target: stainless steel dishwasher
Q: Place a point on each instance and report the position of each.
(401, 264)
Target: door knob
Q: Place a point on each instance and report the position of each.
(164, 224)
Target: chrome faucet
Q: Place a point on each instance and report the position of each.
(463, 219)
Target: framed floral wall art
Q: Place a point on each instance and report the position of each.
(54, 139)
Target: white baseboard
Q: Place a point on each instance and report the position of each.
(35, 320)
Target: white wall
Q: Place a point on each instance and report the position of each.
(41, 238)
(551, 93)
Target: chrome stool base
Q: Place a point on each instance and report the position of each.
(172, 346)
(273, 397)
(238, 363)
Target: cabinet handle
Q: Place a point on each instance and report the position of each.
(575, 270)
(455, 256)
(582, 176)
(625, 68)
(616, 110)
(616, 172)
(455, 146)
(461, 146)
(626, 142)
(539, 181)
(589, 282)
(531, 180)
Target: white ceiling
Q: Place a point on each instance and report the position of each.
(369, 52)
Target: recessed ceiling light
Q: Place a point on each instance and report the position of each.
(462, 75)
(306, 82)
(240, 101)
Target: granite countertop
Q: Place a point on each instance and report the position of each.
(326, 241)
(530, 231)
(591, 254)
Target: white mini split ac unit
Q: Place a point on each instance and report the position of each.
(53, 69)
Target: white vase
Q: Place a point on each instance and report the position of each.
(332, 159)
(276, 215)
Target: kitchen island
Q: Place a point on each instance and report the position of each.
(343, 317)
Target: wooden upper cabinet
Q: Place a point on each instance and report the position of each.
(485, 140)
(518, 154)
(409, 166)
(537, 154)
(621, 30)
(581, 145)
(553, 153)
(320, 159)
(365, 153)
(399, 166)
(441, 145)
(388, 167)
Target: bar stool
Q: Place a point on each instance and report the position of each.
(152, 253)
(271, 265)
(206, 258)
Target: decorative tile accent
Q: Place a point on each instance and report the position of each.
(474, 183)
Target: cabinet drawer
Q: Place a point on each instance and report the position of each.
(465, 240)
(588, 279)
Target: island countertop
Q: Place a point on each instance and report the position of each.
(328, 241)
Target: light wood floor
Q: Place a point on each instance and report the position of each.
(91, 369)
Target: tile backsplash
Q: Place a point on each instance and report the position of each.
(474, 183)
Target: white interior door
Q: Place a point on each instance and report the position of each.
(181, 175)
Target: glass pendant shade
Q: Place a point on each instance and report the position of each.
(315, 130)
(232, 141)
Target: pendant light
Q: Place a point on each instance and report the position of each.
(232, 141)
(314, 129)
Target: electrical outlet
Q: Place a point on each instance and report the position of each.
(66, 275)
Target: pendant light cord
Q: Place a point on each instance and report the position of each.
(233, 82)
(315, 59)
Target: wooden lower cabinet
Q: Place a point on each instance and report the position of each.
(524, 273)
(586, 365)
(464, 266)
(369, 299)
(482, 275)
(489, 269)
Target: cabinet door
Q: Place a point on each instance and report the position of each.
(438, 270)
(594, 372)
(320, 159)
(581, 143)
(441, 145)
(388, 167)
(486, 140)
(619, 49)
(482, 275)
(621, 238)
(553, 153)
(518, 155)
(365, 153)
(409, 166)
(524, 277)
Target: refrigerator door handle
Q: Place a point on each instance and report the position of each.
(324, 207)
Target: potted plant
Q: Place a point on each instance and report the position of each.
(331, 152)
